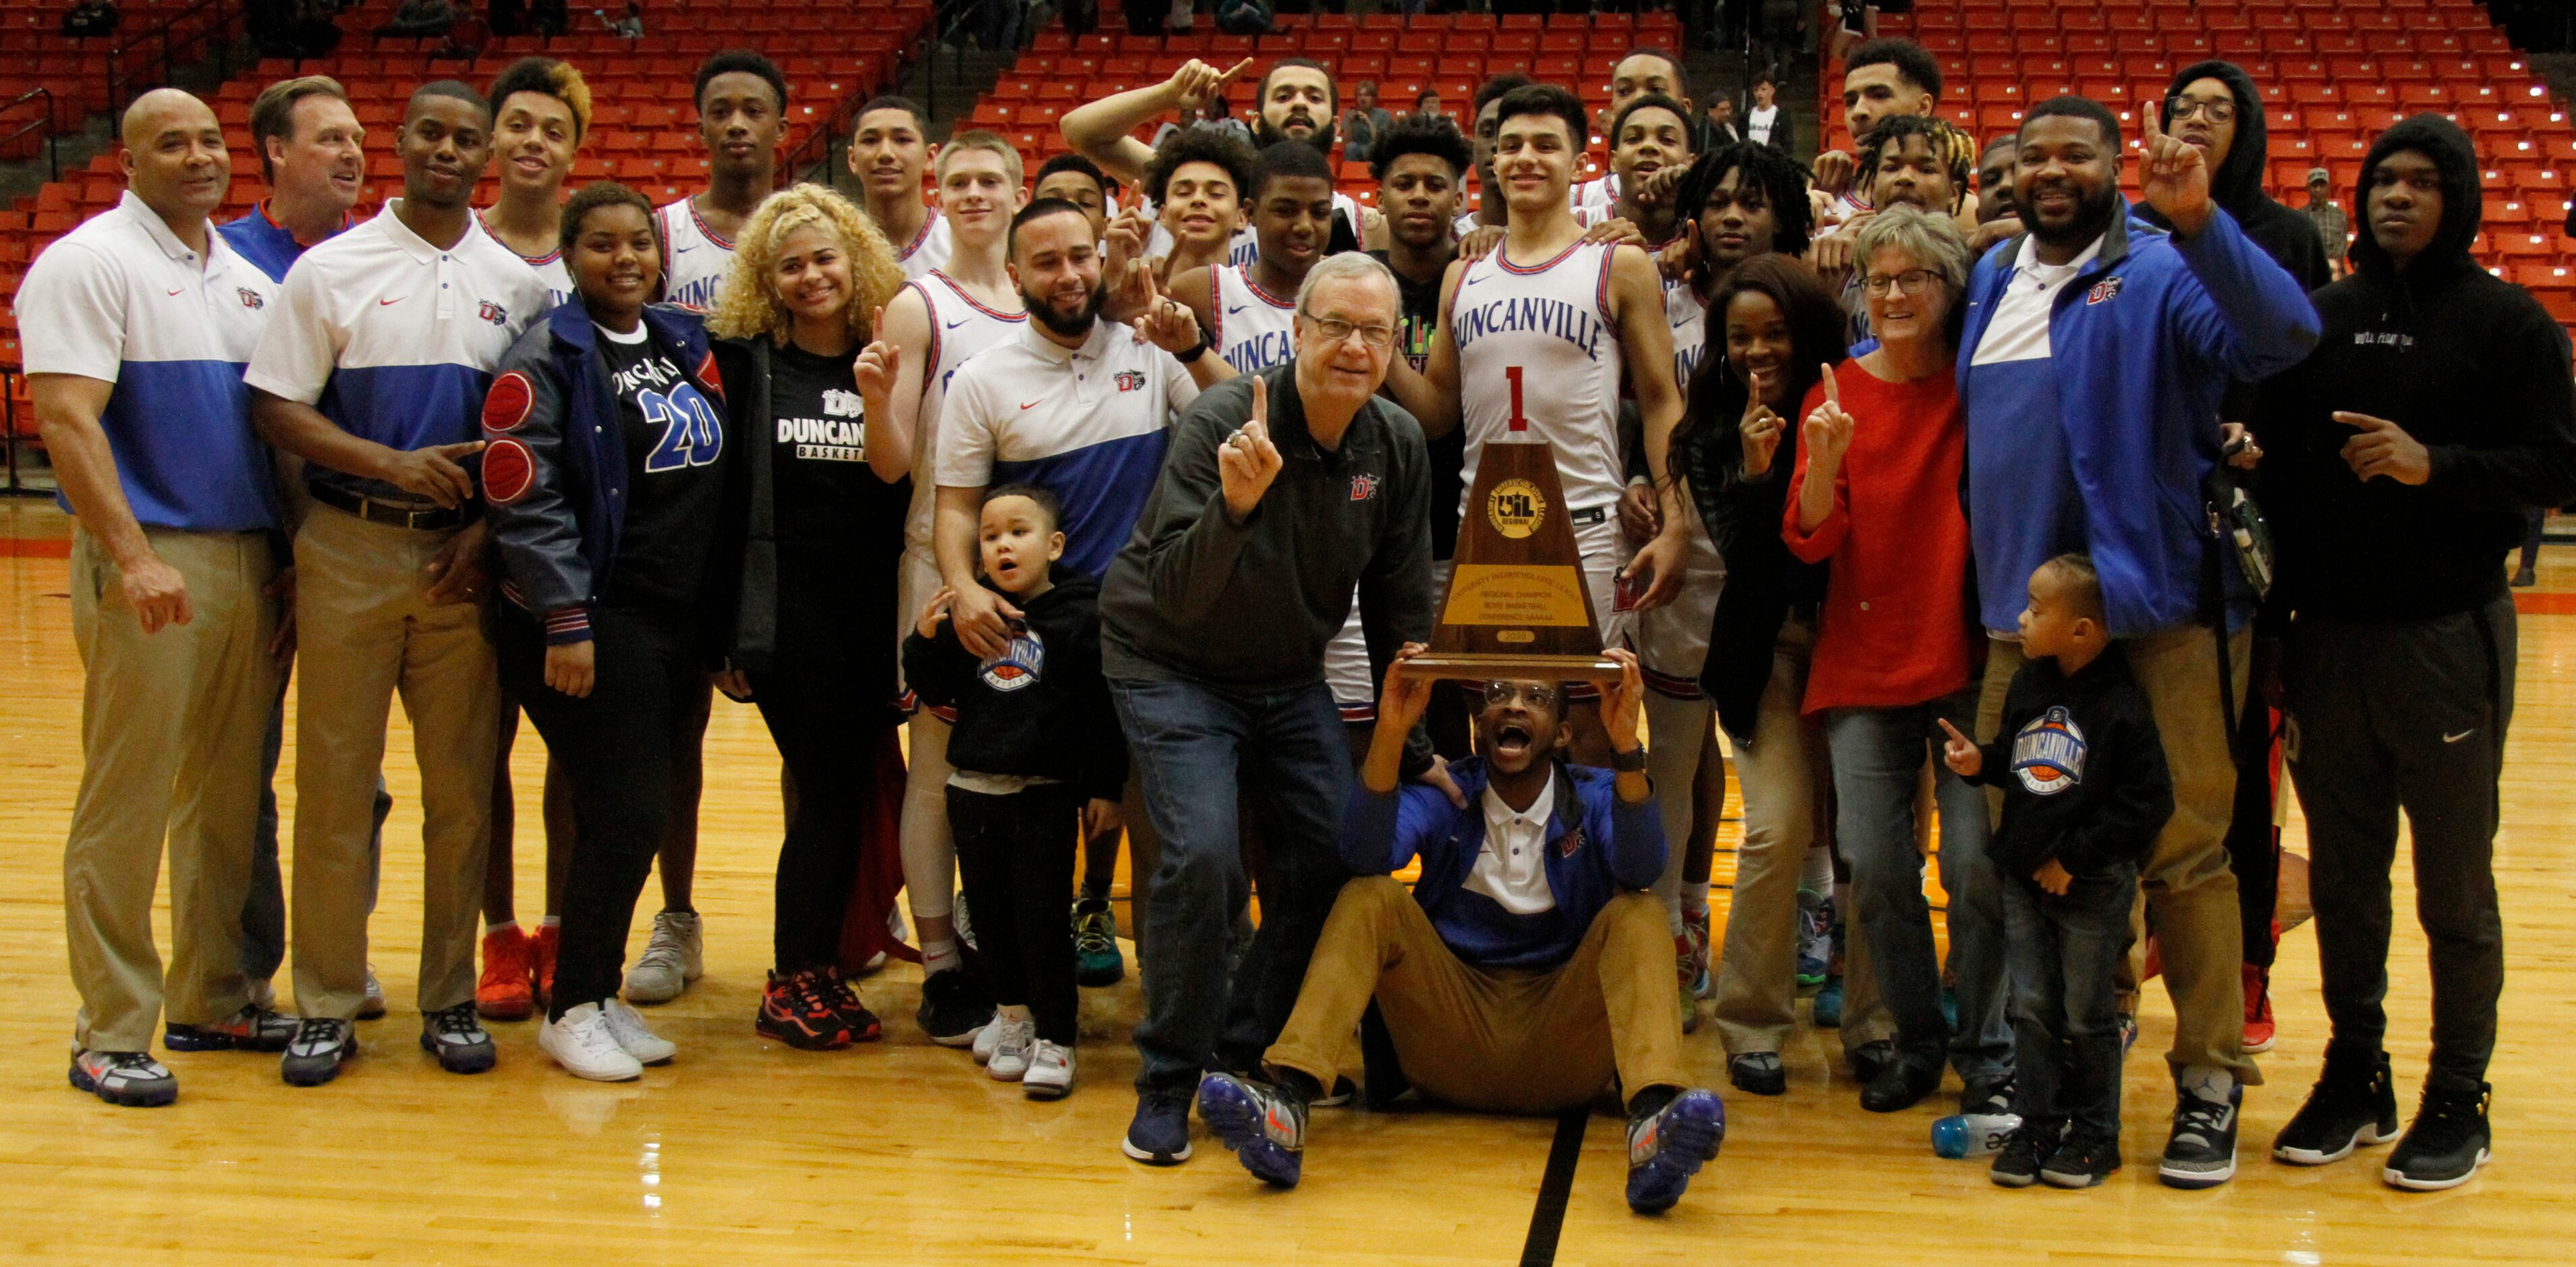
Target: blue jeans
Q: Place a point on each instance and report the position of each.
(1191, 744)
(263, 915)
(1878, 759)
(2065, 1010)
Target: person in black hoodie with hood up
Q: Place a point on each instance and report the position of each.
(2403, 454)
(2215, 106)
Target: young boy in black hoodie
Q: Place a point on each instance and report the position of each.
(2400, 460)
(2085, 792)
(1040, 761)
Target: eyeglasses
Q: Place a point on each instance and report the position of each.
(2214, 110)
(1534, 694)
(1913, 281)
(1336, 331)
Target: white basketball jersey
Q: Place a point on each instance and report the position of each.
(549, 266)
(694, 259)
(928, 250)
(959, 328)
(1598, 193)
(1539, 359)
(1689, 318)
(1254, 328)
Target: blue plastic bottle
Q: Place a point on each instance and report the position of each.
(1973, 1135)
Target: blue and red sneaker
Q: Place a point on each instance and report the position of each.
(1667, 1145)
(1265, 1126)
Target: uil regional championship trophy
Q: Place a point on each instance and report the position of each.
(1517, 606)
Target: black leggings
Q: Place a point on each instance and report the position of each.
(1016, 854)
(619, 746)
(826, 696)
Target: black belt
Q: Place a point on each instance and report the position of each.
(424, 518)
(1589, 515)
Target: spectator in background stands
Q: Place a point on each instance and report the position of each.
(1717, 125)
(1766, 123)
(2436, 410)
(2336, 228)
(1883, 78)
(1216, 115)
(1427, 106)
(1363, 123)
(1995, 181)
(170, 556)
(310, 154)
(1077, 180)
(889, 150)
(90, 17)
(629, 27)
(419, 18)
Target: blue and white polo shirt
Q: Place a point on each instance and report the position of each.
(122, 300)
(1089, 425)
(268, 244)
(395, 339)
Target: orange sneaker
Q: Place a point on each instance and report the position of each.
(2259, 1030)
(504, 993)
(548, 936)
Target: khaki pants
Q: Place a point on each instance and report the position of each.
(1782, 771)
(365, 630)
(170, 748)
(2186, 884)
(1501, 1041)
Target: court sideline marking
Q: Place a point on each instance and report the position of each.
(1548, 1218)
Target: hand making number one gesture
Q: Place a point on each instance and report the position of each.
(1760, 428)
(1827, 432)
(877, 366)
(2173, 175)
(1248, 461)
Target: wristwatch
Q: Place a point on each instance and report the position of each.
(1196, 351)
(1632, 761)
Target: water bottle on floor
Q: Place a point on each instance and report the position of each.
(1973, 1134)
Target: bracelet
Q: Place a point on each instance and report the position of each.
(1633, 761)
(1196, 351)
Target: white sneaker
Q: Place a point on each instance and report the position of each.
(1050, 1074)
(1011, 1051)
(628, 1029)
(373, 1005)
(583, 1045)
(674, 957)
(986, 1039)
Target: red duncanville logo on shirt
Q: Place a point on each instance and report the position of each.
(1363, 487)
(250, 298)
(1569, 842)
(494, 313)
(1130, 380)
(2104, 290)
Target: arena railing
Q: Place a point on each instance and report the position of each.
(46, 121)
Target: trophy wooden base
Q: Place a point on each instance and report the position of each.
(1489, 667)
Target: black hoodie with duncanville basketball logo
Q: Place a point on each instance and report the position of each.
(1041, 708)
(2082, 768)
(2469, 365)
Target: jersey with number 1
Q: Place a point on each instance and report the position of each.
(1539, 359)
(694, 258)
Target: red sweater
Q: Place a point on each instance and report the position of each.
(1895, 629)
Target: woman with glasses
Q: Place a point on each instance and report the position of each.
(1875, 493)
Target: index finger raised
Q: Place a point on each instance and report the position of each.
(1833, 393)
(1951, 730)
(2363, 421)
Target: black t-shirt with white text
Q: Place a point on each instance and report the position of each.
(675, 444)
(825, 493)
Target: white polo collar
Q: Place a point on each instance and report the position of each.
(169, 242)
(1093, 348)
(413, 244)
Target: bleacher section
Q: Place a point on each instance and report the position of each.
(84, 73)
(1451, 53)
(2335, 73)
(644, 129)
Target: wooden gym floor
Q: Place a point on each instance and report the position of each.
(900, 1152)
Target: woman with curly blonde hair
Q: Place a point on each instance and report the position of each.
(823, 506)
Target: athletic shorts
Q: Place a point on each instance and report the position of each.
(1672, 640)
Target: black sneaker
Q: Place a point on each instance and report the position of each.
(2353, 1103)
(2088, 1157)
(2030, 1145)
(2447, 1141)
(1758, 1073)
(1265, 1125)
(457, 1039)
(1159, 1134)
(1988, 1096)
(2202, 1151)
(1871, 1057)
(253, 1028)
(1901, 1084)
(953, 1006)
(321, 1046)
